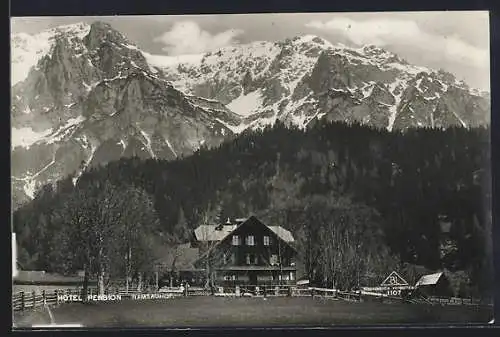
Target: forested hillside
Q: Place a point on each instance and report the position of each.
(379, 198)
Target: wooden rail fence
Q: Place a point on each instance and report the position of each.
(30, 300)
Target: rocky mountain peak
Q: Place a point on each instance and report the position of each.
(85, 95)
(310, 38)
(101, 32)
(371, 48)
(79, 29)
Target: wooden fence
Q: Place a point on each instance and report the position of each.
(458, 301)
(30, 300)
(22, 300)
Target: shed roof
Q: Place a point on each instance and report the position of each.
(430, 279)
(211, 233)
(284, 234)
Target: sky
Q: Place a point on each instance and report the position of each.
(456, 41)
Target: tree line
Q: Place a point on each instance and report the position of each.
(345, 191)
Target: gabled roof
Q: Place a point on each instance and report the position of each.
(211, 233)
(282, 233)
(430, 279)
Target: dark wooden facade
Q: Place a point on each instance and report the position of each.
(251, 254)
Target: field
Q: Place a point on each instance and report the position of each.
(250, 312)
(38, 288)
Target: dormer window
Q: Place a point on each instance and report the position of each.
(250, 240)
(236, 240)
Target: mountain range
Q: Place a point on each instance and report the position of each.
(84, 95)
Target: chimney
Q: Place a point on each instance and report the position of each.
(221, 226)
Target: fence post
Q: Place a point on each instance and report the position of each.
(57, 296)
(34, 298)
(22, 300)
(185, 290)
(43, 296)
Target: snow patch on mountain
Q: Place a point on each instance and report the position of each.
(459, 119)
(148, 143)
(367, 89)
(261, 123)
(409, 69)
(30, 182)
(29, 188)
(65, 130)
(164, 61)
(123, 144)
(26, 136)
(234, 128)
(26, 51)
(246, 105)
(171, 147)
(396, 85)
(93, 149)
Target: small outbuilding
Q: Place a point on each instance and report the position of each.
(435, 285)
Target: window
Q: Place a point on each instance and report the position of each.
(266, 240)
(236, 240)
(250, 240)
(255, 259)
(273, 260)
(252, 259)
(230, 278)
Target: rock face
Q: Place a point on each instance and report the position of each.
(306, 78)
(89, 98)
(84, 95)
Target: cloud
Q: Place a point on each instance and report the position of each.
(186, 37)
(405, 33)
